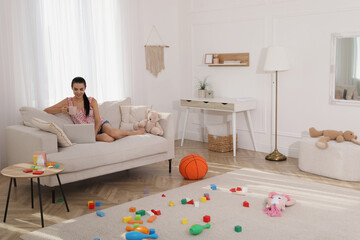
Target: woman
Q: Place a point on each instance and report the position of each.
(87, 111)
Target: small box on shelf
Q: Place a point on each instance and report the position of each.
(227, 59)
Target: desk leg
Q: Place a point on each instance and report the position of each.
(7, 201)
(15, 182)
(203, 125)
(249, 122)
(32, 193)
(184, 129)
(234, 132)
(41, 210)
(62, 192)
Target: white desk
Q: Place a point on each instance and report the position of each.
(225, 105)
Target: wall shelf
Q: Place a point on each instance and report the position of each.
(229, 60)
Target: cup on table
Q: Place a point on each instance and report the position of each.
(72, 110)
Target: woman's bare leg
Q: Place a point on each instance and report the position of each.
(118, 133)
(104, 138)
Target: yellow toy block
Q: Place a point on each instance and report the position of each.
(90, 202)
(203, 199)
(127, 219)
(184, 221)
(171, 203)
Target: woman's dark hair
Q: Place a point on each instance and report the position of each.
(86, 100)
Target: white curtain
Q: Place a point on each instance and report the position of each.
(45, 44)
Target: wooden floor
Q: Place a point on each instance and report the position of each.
(128, 185)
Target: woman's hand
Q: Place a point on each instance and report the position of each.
(65, 109)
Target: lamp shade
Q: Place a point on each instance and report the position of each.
(276, 59)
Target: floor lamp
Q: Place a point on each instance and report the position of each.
(276, 61)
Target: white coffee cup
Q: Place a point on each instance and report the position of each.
(72, 110)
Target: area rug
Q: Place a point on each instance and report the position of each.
(321, 212)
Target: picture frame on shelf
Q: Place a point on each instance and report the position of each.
(209, 58)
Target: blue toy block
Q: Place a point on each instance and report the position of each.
(152, 231)
(100, 213)
(213, 186)
(98, 204)
(57, 165)
(146, 191)
(96, 238)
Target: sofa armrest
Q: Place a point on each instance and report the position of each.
(167, 123)
(23, 141)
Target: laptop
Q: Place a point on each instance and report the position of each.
(80, 133)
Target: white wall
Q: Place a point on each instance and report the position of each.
(304, 28)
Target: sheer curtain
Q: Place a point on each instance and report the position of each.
(45, 44)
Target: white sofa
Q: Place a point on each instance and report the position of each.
(89, 160)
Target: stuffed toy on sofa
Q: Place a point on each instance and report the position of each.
(328, 135)
(151, 124)
(276, 203)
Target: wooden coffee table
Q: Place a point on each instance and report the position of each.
(16, 171)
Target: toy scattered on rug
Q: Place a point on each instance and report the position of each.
(277, 202)
(151, 123)
(193, 167)
(141, 229)
(197, 228)
(134, 235)
(328, 135)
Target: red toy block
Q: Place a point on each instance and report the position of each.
(232, 190)
(207, 197)
(27, 170)
(245, 204)
(156, 212)
(238, 189)
(91, 205)
(163, 195)
(206, 218)
(190, 202)
(38, 172)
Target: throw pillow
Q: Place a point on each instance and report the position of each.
(53, 128)
(110, 111)
(27, 113)
(132, 114)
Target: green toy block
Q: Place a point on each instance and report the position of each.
(136, 225)
(137, 217)
(183, 201)
(141, 213)
(61, 200)
(238, 228)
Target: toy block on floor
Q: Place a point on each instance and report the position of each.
(232, 190)
(163, 195)
(61, 200)
(152, 231)
(91, 206)
(245, 204)
(238, 228)
(213, 186)
(146, 191)
(98, 204)
(190, 202)
(89, 203)
(151, 219)
(136, 225)
(132, 209)
(150, 213)
(171, 203)
(135, 221)
(238, 189)
(100, 213)
(141, 212)
(203, 199)
(206, 218)
(196, 204)
(156, 212)
(184, 221)
(183, 201)
(127, 219)
(137, 217)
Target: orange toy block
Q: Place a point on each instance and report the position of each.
(132, 209)
(135, 221)
(151, 219)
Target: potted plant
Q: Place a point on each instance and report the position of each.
(202, 88)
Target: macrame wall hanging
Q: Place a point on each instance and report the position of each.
(154, 55)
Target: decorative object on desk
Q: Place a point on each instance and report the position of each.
(209, 93)
(154, 55)
(208, 58)
(276, 60)
(216, 59)
(202, 88)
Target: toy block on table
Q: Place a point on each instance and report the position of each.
(238, 228)
(32, 167)
(38, 172)
(91, 205)
(98, 204)
(151, 219)
(206, 218)
(184, 221)
(100, 213)
(135, 221)
(56, 165)
(27, 170)
(127, 219)
(245, 204)
(203, 199)
(132, 209)
(213, 186)
(141, 212)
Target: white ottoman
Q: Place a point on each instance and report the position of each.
(339, 160)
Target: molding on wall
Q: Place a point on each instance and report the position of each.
(194, 10)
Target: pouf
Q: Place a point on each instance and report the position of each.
(339, 160)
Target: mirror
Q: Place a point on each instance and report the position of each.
(345, 69)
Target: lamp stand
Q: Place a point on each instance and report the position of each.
(276, 155)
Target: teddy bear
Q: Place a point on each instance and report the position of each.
(151, 123)
(276, 203)
(328, 135)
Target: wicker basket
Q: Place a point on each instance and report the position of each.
(221, 143)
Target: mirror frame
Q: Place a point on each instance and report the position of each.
(333, 100)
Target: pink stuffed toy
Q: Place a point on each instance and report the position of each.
(151, 124)
(277, 202)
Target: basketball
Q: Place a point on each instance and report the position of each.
(193, 167)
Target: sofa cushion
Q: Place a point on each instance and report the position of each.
(27, 113)
(92, 155)
(132, 114)
(111, 112)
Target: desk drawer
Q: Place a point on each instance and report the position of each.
(224, 106)
(197, 104)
